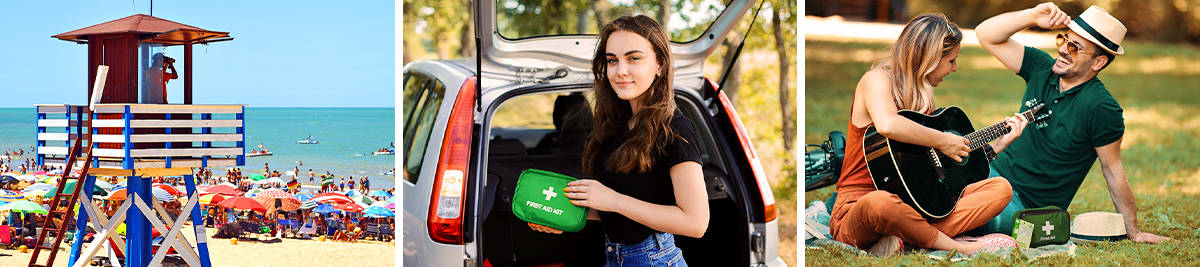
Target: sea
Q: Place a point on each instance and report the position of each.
(348, 136)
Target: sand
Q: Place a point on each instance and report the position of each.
(289, 252)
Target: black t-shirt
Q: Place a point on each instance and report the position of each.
(653, 186)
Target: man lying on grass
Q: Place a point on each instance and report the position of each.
(1046, 165)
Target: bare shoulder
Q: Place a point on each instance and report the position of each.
(874, 79)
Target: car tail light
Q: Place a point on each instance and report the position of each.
(446, 205)
(764, 188)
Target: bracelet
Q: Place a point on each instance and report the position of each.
(991, 154)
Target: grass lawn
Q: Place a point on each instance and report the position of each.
(1162, 120)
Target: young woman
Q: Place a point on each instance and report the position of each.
(643, 152)
(925, 53)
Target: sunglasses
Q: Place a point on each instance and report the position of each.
(1073, 47)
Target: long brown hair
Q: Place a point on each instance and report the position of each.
(923, 42)
(652, 124)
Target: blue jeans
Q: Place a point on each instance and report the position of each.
(657, 250)
(1003, 222)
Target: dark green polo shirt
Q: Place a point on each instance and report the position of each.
(1046, 165)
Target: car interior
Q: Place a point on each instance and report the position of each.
(508, 241)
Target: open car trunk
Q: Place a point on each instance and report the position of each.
(504, 240)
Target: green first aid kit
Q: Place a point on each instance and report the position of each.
(1041, 226)
(540, 199)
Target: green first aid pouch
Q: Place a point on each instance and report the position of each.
(1041, 226)
(540, 199)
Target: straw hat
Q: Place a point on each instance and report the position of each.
(1102, 29)
(1098, 226)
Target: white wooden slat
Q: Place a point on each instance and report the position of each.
(52, 123)
(117, 123)
(144, 138)
(183, 123)
(185, 152)
(108, 152)
(218, 109)
(52, 150)
(185, 163)
(105, 232)
(101, 108)
(108, 138)
(51, 109)
(52, 136)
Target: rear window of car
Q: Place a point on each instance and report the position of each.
(685, 20)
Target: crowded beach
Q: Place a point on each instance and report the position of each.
(267, 212)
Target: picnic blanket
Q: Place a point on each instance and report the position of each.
(816, 235)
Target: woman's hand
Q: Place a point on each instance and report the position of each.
(1017, 125)
(592, 194)
(954, 146)
(543, 228)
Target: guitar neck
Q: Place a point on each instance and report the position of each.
(988, 134)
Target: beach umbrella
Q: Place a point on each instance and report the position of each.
(331, 197)
(7, 179)
(275, 180)
(276, 193)
(40, 173)
(211, 198)
(9, 197)
(224, 189)
(48, 179)
(256, 177)
(27, 178)
(381, 204)
(362, 199)
(31, 194)
(253, 192)
(380, 193)
(169, 189)
(304, 197)
(351, 193)
(325, 208)
(24, 206)
(242, 203)
(309, 204)
(378, 212)
(350, 207)
(105, 184)
(392, 199)
(40, 186)
(158, 193)
(71, 187)
(391, 206)
(285, 203)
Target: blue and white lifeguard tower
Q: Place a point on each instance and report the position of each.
(118, 132)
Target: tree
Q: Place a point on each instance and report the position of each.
(781, 11)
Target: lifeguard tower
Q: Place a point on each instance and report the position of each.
(116, 133)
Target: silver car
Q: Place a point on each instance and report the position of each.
(467, 136)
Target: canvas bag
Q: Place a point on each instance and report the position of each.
(540, 199)
(1041, 226)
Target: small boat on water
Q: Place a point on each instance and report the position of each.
(389, 150)
(260, 151)
(310, 141)
(259, 154)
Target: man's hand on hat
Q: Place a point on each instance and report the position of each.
(1050, 17)
(1144, 237)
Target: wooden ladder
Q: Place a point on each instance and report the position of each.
(63, 211)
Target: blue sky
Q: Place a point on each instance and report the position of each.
(284, 54)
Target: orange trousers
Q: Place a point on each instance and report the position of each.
(863, 221)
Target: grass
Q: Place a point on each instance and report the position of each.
(1162, 121)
